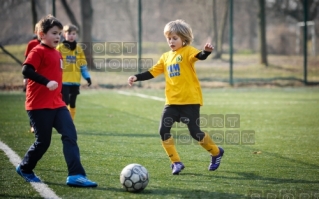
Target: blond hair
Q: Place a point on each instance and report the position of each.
(181, 28)
(36, 30)
(36, 27)
(69, 28)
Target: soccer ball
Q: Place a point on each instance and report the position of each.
(134, 177)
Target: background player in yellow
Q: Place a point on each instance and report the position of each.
(183, 92)
(74, 66)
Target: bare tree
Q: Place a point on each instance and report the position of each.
(219, 50)
(70, 14)
(34, 13)
(252, 24)
(294, 8)
(128, 5)
(215, 28)
(87, 21)
(262, 33)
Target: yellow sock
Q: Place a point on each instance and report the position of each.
(208, 144)
(72, 112)
(170, 150)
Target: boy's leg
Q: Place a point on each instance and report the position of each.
(170, 150)
(208, 144)
(74, 91)
(31, 127)
(65, 94)
(191, 112)
(64, 125)
(191, 116)
(42, 121)
(169, 116)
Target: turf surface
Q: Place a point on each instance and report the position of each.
(115, 130)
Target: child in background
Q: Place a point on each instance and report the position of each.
(33, 43)
(75, 66)
(183, 92)
(46, 109)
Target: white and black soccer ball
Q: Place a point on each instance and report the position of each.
(134, 177)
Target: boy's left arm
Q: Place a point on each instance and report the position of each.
(208, 48)
(86, 75)
(83, 66)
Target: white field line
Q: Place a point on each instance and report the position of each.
(41, 188)
(142, 96)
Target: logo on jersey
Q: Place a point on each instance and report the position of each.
(173, 70)
(179, 58)
(70, 59)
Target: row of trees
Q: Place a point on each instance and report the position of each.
(210, 19)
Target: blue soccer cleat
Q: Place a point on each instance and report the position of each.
(177, 167)
(29, 177)
(80, 181)
(214, 164)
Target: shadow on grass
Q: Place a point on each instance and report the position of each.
(160, 192)
(292, 160)
(253, 176)
(64, 185)
(118, 134)
(18, 196)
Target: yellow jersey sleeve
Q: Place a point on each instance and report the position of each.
(158, 68)
(192, 54)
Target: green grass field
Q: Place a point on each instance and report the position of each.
(115, 130)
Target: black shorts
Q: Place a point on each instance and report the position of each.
(188, 114)
(69, 94)
(70, 90)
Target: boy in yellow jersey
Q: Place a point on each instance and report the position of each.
(74, 66)
(183, 92)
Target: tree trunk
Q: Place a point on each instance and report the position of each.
(70, 14)
(223, 23)
(262, 33)
(87, 21)
(128, 10)
(34, 14)
(215, 28)
(252, 26)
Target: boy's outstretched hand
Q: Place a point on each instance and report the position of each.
(208, 47)
(131, 80)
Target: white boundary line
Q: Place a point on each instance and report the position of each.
(41, 188)
(141, 95)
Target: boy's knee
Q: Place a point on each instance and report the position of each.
(198, 135)
(165, 135)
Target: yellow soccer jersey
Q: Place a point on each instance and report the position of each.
(182, 84)
(73, 60)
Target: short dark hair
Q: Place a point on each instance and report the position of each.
(47, 22)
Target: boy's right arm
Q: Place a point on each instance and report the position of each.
(140, 77)
(29, 72)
